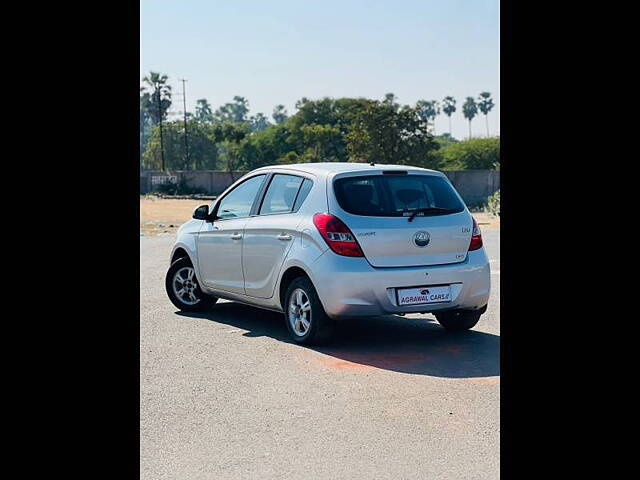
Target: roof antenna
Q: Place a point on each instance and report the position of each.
(372, 164)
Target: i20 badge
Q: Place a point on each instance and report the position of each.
(421, 238)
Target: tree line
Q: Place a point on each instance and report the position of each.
(327, 129)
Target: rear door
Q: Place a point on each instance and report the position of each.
(377, 208)
(269, 235)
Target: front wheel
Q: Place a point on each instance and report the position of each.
(183, 289)
(307, 321)
(458, 320)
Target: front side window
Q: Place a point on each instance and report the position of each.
(396, 195)
(237, 203)
(281, 194)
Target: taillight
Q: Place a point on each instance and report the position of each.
(337, 235)
(476, 237)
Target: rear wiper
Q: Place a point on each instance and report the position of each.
(428, 210)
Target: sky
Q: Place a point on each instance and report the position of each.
(278, 51)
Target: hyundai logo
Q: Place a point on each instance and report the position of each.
(421, 238)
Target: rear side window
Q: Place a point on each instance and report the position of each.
(396, 196)
(302, 194)
(281, 194)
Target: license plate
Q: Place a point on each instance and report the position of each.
(421, 295)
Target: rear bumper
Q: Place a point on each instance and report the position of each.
(351, 287)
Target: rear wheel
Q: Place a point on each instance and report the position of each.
(183, 288)
(306, 320)
(458, 320)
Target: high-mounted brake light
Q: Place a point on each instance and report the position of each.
(476, 237)
(337, 235)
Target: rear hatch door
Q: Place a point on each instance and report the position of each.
(377, 208)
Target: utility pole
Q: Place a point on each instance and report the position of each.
(160, 118)
(184, 104)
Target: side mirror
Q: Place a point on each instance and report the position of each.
(201, 213)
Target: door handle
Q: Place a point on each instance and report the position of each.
(284, 237)
(236, 236)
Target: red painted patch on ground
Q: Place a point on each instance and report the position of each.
(368, 361)
(337, 363)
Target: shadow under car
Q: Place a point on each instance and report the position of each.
(417, 345)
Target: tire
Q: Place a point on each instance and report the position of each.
(199, 301)
(458, 320)
(319, 327)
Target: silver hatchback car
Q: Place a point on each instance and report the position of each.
(323, 242)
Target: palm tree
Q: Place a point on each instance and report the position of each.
(204, 114)
(161, 96)
(469, 110)
(485, 102)
(448, 107)
(428, 111)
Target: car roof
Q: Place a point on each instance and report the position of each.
(341, 167)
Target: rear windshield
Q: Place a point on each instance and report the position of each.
(396, 195)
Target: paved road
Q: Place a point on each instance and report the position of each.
(224, 395)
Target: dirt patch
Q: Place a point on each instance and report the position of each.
(486, 221)
(164, 216)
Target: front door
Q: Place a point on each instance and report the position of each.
(220, 242)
